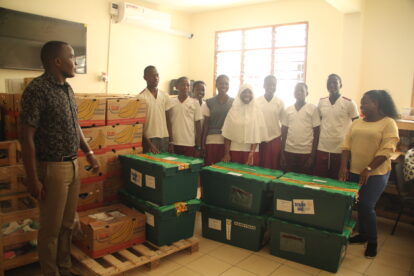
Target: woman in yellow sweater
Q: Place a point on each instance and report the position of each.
(368, 145)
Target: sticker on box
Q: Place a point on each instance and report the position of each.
(170, 158)
(150, 181)
(312, 187)
(136, 177)
(150, 219)
(236, 174)
(214, 224)
(303, 206)
(319, 180)
(284, 205)
(228, 229)
(292, 243)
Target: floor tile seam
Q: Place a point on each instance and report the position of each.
(237, 265)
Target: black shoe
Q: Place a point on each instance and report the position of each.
(371, 250)
(357, 239)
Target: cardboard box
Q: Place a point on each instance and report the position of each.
(113, 164)
(111, 188)
(12, 180)
(95, 137)
(110, 229)
(309, 246)
(125, 111)
(85, 173)
(91, 111)
(123, 137)
(90, 196)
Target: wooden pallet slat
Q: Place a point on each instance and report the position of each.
(149, 254)
(8, 153)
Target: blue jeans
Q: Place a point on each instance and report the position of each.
(368, 197)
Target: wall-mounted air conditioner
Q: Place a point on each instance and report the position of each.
(133, 14)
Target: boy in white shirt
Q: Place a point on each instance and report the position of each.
(300, 133)
(185, 116)
(272, 108)
(337, 114)
(156, 127)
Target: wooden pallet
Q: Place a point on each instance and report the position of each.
(131, 258)
(8, 153)
(11, 180)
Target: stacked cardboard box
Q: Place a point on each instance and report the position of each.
(18, 211)
(112, 125)
(236, 202)
(312, 219)
(164, 187)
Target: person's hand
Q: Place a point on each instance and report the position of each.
(171, 148)
(363, 177)
(343, 174)
(250, 159)
(36, 189)
(226, 157)
(309, 162)
(93, 163)
(153, 149)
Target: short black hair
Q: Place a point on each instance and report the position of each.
(180, 80)
(335, 76)
(51, 50)
(199, 82)
(302, 84)
(269, 77)
(149, 68)
(385, 102)
(222, 77)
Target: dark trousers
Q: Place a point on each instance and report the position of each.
(368, 197)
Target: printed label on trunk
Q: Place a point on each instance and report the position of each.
(136, 177)
(244, 225)
(214, 224)
(228, 229)
(236, 174)
(303, 206)
(150, 181)
(292, 243)
(241, 198)
(284, 205)
(150, 219)
(170, 158)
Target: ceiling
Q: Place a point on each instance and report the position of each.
(204, 5)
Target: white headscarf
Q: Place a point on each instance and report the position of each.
(245, 123)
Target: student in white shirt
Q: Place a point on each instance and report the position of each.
(337, 113)
(272, 108)
(185, 116)
(244, 129)
(300, 133)
(199, 90)
(157, 126)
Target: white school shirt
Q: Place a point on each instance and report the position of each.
(272, 112)
(156, 124)
(212, 138)
(300, 123)
(183, 118)
(335, 122)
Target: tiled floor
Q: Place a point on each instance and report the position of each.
(395, 258)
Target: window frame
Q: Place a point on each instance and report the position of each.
(273, 49)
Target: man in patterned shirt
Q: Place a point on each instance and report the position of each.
(51, 137)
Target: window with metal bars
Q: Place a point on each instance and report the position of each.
(248, 55)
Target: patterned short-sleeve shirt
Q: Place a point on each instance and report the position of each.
(51, 109)
(409, 165)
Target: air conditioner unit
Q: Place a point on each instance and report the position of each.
(133, 14)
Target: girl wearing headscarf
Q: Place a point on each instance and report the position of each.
(243, 129)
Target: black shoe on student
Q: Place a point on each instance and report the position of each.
(371, 250)
(357, 239)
